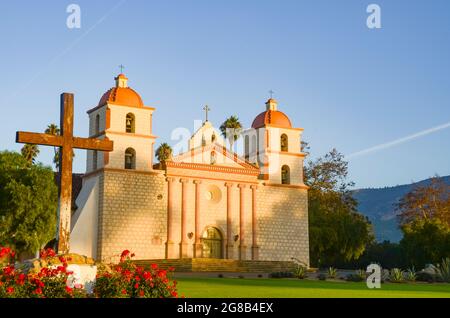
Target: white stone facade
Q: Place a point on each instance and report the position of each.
(165, 213)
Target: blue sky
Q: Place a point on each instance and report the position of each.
(350, 87)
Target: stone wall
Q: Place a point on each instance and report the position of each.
(132, 214)
(283, 223)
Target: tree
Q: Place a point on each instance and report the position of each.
(425, 241)
(430, 202)
(164, 153)
(30, 152)
(54, 130)
(231, 129)
(424, 217)
(338, 233)
(28, 203)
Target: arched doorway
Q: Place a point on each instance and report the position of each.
(212, 243)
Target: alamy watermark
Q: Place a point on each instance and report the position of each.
(374, 277)
(74, 19)
(374, 19)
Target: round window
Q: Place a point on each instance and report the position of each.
(213, 193)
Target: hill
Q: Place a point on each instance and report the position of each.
(379, 206)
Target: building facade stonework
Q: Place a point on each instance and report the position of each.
(207, 202)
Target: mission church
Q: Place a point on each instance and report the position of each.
(207, 202)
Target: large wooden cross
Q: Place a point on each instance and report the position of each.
(67, 142)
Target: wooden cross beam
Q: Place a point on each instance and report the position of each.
(67, 142)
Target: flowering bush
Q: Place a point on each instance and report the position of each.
(49, 282)
(126, 280)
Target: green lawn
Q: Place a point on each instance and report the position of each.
(278, 288)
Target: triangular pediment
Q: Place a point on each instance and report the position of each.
(214, 155)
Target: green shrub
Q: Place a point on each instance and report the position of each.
(300, 272)
(322, 276)
(362, 274)
(396, 275)
(358, 276)
(425, 277)
(281, 275)
(411, 275)
(332, 272)
(443, 270)
(353, 278)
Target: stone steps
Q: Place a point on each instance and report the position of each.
(219, 265)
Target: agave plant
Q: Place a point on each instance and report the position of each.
(411, 275)
(443, 270)
(332, 272)
(300, 271)
(361, 273)
(396, 275)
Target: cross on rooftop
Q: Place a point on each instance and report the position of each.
(206, 109)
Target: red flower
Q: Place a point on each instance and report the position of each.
(171, 269)
(47, 253)
(61, 269)
(124, 255)
(38, 291)
(8, 270)
(124, 292)
(137, 278)
(136, 286)
(38, 283)
(154, 266)
(21, 279)
(4, 251)
(147, 276)
(10, 290)
(174, 294)
(141, 293)
(69, 290)
(162, 273)
(127, 272)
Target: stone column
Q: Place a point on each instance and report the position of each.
(183, 242)
(229, 239)
(198, 247)
(242, 246)
(170, 246)
(255, 247)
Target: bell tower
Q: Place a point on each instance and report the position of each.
(275, 146)
(122, 117)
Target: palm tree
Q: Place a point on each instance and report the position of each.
(30, 152)
(164, 153)
(54, 130)
(231, 129)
